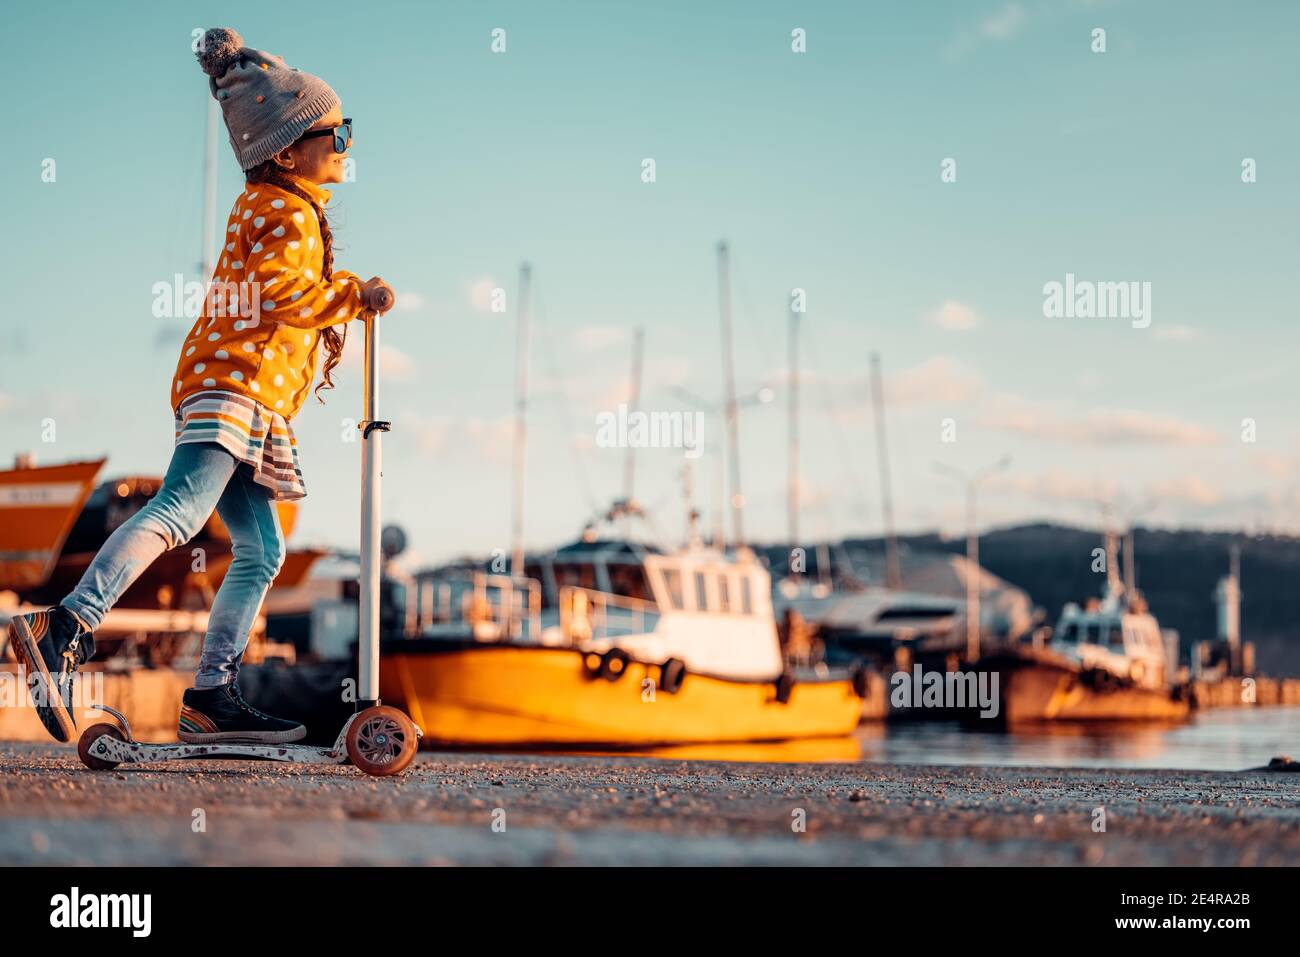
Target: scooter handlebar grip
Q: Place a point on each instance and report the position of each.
(382, 300)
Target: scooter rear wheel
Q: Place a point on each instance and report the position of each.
(382, 741)
(85, 746)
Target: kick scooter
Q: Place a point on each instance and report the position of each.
(378, 739)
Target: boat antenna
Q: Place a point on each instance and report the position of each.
(521, 433)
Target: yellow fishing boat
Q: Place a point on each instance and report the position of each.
(610, 644)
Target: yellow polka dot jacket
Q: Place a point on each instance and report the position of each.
(266, 304)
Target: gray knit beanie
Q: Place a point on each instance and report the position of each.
(267, 104)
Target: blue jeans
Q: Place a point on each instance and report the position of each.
(202, 476)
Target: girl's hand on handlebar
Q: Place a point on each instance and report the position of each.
(377, 295)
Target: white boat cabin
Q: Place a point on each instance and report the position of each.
(710, 609)
(1109, 635)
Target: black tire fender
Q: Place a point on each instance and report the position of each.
(613, 664)
(784, 685)
(671, 675)
(862, 681)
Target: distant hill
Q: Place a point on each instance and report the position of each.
(1176, 570)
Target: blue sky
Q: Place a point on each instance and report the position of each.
(821, 169)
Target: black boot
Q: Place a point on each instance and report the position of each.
(213, 715)
(51, 645)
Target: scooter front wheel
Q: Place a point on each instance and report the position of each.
(382, 741)
(86, 746)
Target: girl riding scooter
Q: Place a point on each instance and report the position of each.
(246, 367)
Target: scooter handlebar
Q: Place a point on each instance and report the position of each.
(381, 300)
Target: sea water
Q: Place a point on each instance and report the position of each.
(1220, 739)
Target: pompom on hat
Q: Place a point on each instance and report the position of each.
(266, 103)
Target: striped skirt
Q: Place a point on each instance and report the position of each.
(248, 431)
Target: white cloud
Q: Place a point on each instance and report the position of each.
(1057, 486)
(666, 371)
(1176, 332)
(1269, 463)
(492, 440)
(1107, 427)
(1190, 490)
(430, 432)
(408, 302)
(595, 337)
(937, 379)
(1008, 22)
(480, 293)
(394, 364)
(1004, 24)
(954, 316)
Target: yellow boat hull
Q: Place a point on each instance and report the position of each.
(512, 696)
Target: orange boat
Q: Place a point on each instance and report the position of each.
(54, 518)
(38, 507)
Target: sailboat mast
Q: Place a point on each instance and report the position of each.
(1111, 541)
(729, 378)
(792, 490)
(893, 575)
(521, 433)
(720, 505)
(1130, 563)
(629, 464)
(692, 513)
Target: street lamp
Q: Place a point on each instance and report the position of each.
(971, 483)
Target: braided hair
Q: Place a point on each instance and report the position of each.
(333, 337)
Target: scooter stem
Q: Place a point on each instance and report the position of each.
(372, 429)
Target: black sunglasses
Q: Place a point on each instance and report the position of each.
(342, 134)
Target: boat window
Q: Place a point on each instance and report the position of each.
(581, 576)
(538, 574)
(746, 600)
(701, 593)
(1115, 637)
(1070, 631)
(629, 582)
(724, 597)
(673, 582)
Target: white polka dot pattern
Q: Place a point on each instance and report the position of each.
(275, 242)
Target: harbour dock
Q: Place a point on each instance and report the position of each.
(529, 810)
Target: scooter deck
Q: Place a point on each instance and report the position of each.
(108, 747)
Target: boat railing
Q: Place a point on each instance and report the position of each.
(496, 607)
(586, 614)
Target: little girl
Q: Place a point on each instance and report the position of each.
(243, 373)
